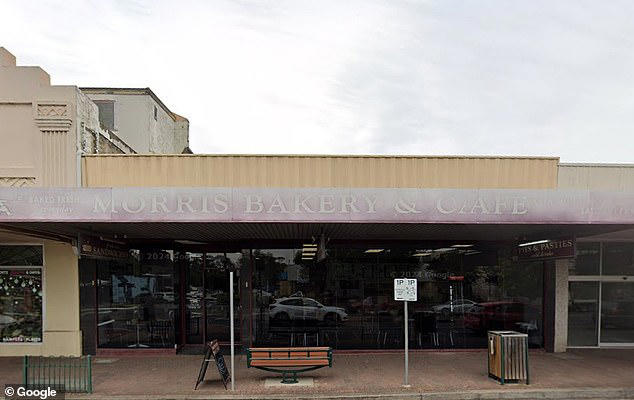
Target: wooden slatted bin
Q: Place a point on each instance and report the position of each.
(508, 356)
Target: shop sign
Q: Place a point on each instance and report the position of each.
(315, 205)
(96, 247)
(564, 248)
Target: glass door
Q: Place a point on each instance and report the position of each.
(193, 298)
(601, 295)
(216, 297)
(583, 313)
(205, 292)
(87, 304)
(617, 313)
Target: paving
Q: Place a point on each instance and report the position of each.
(587, 373)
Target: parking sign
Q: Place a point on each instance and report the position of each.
(405, 289)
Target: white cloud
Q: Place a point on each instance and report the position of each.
(487, 77)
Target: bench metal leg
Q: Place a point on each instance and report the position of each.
(289, 377)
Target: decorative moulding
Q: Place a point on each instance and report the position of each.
(52, 115)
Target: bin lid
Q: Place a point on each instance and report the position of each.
(507, 333)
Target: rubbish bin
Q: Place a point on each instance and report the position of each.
(508, 356)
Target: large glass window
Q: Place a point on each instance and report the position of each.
(346, 301)
(137, 306)
(21, 294)
(618, 259)
(587, 259)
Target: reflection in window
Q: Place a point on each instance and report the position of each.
(21, 294)
(137, 301)
(347, 300)
(21, 255)
(587, 259)
(618, 259)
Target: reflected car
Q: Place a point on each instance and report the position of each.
(304, 309)
(459, 306)
(501, 315)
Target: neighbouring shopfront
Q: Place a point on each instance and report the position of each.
(21, 293)
(601, 295)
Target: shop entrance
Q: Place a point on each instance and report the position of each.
(204, 296)
(601, 296)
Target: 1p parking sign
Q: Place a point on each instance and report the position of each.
(405, 289)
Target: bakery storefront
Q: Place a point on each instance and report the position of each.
(148, 268)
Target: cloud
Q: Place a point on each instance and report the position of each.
(444, 77)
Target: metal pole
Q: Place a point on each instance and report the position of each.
(231, 324)
(406, 376)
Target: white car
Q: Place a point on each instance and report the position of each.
(459, 306)
(303, 309)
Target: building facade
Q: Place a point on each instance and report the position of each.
(140, 119)
(136, 257)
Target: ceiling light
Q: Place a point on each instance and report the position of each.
(374, 250)
(444, 250)
(462, 246)
(421, 254)
(189, 242)
(532, 243)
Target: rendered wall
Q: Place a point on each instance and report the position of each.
(134, 121)
(38, 127)
(319, 171)
(61, 334)
(131, 119)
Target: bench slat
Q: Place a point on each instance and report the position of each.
(287, 349)
(289, 363)
(293, 354)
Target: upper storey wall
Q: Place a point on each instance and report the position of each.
(618, 177)
(319, 171)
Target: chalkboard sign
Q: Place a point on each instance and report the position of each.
(212, 349)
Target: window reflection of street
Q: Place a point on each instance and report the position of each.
(462, 293)
(136, 301)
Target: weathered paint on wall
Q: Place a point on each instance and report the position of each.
(135, 124)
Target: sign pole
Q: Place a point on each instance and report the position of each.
(406, 290)
(231, 333)
(406, 377)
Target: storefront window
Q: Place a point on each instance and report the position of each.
(587, 259)
(137, 306)
(21, 294)
(346, 301)
(618, 259)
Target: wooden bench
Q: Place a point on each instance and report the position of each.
(289, 361)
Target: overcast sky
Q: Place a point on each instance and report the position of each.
(552, 78)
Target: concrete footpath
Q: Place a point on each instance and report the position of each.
(579, 394)
(577, 374)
